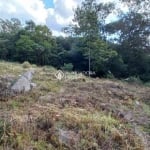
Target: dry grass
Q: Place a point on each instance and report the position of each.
(89, 108)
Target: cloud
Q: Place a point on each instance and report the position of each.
(24, 10)
(55, 18)
(62, 14)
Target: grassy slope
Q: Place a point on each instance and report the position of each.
(104, 114)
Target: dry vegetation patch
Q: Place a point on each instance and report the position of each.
(90, 114)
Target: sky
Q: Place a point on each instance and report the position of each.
(56, 14)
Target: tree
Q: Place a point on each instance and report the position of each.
(25, 49)
(139, 6)
(30, 26)
(9, 30)
(133, 41)
(89, 18)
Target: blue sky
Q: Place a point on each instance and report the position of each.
(48, 3)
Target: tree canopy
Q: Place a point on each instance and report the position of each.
(121, 47)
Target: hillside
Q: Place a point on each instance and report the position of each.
(80, 114)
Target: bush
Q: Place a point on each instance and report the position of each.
(145, 77)
(49, 69)
(67, 67)
(26, 64)
(147, 84)
(134, 79)
(110, 75)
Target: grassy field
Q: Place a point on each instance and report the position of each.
(75, 114)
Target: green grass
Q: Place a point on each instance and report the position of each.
(14, 104)
(146, 108)
(10, 68)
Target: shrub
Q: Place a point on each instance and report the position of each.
(26, 64)
(134, 79)
(49, 69)
(44, 123)
(67, 67)
(110, 75)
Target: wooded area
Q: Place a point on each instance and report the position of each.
(120, 48)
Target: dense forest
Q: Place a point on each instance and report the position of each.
(120, 48)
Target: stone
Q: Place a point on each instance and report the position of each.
(29, 75)
(33, 85)
(23, 84)
(46, 98)
(69, 138)
(137, 102)
(128, 116)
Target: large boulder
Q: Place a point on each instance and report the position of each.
(28, 75)
(23, 84)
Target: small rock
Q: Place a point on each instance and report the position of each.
(137, 103)
(128, 116)
(46, 98)
(69, 138)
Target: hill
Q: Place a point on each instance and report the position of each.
(75, 113)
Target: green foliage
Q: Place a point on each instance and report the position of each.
(100, 55)
(25, 49)
(133, 41)
(67, 67)
(14, 104)
(135, 80)
(33, 43)
(147, 84)
(42, 145)
(121, 47)
(110, 75)
(117, 67)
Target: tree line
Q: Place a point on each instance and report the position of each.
(120, 48)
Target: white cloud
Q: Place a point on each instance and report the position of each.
(62, 14)
(24, 10)
(59, 33)
(55, 18)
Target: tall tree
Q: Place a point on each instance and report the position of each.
(133, 34)
(88, 21)
(8, 34)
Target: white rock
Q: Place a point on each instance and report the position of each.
(29, 74)
(23, 84)
(137, 102)
(33, 85)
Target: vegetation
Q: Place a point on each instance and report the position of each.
(93, 111)
(78, 112)
(121, 47)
